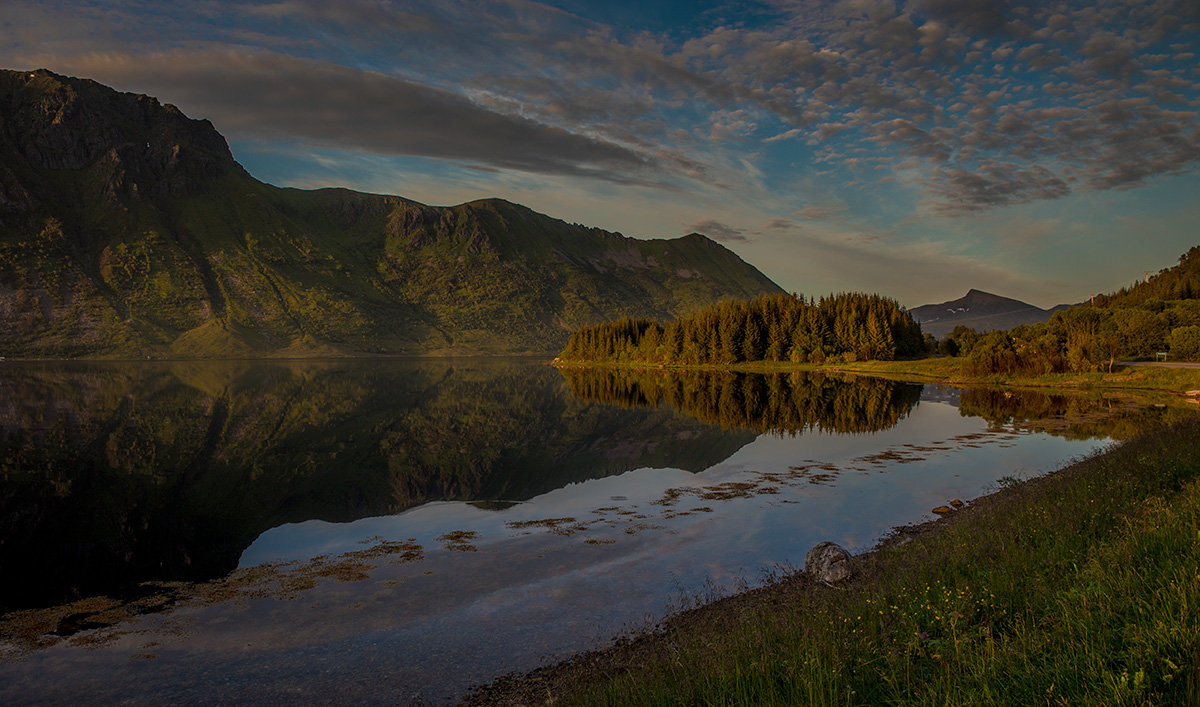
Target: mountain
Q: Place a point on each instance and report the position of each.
(981, 311)
(128, 230)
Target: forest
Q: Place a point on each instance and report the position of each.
(783, 327)
(1160, 315)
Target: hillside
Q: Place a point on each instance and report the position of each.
(1177, 282)
(127, 229)
(981, 311)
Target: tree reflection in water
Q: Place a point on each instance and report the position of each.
(776, 403)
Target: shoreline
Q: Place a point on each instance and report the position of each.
(1042, 538)
(284, 359)
(1177, 381)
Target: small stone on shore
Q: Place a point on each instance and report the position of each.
(828, 562)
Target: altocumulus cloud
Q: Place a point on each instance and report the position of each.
(993, 102)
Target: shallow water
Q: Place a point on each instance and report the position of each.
(393, 531)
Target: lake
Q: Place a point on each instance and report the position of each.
(392, 531)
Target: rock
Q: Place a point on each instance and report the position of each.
(828, 562)
(957, 503)
(943, 510)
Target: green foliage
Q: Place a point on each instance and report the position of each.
(1179, 282)
(948, 346)
(1185, 343)
(994, 353)
(772, 327)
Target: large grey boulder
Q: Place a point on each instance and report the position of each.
(828, 562)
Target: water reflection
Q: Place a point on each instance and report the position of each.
(771, 402)
(116, 474)
(1077, 416)
(558, 519)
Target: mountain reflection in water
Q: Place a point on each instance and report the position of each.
(116, 474)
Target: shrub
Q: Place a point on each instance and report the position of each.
(993, 353)
(1185, 343)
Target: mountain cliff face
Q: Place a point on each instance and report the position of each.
(127, 229)
(981, 311)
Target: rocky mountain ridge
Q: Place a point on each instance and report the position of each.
(127, 229)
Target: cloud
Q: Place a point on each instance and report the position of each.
(717, 231)
(971, 16)
(994, 102)
(271, 95)
(829, 257)
(1073, 96)
(994, 184)
(816, 212)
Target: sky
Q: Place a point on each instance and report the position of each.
(1045, 151)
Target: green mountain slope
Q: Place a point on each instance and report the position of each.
(127, 229)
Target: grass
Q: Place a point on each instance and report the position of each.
(953, 370)
(1081, 587)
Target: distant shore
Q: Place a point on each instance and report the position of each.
(1079, 586)
(1177, 381)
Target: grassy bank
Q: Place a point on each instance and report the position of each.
(953, 370)
(1081, 587)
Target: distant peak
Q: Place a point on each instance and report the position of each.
(974, 296)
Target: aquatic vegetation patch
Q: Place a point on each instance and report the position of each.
(539, 523)
(459, 540)
(557, 526)
(96, 621)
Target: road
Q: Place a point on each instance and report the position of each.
(1160, 364)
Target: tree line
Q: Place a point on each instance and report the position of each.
(784, 327)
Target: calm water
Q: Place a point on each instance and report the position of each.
(389, 531)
